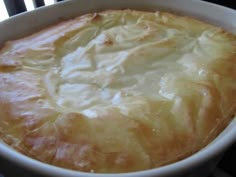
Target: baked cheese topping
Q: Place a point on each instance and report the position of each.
(117, 91)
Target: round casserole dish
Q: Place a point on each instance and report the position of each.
(200, 163)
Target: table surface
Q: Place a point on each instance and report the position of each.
(226, 167)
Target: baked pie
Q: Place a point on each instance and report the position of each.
(117, 91)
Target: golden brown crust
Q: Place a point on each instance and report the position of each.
(117, 91)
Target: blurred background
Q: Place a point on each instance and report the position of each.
(29, 5)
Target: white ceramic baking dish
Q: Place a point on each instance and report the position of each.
(199, 164)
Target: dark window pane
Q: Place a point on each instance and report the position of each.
(38, 3)
(15, 6)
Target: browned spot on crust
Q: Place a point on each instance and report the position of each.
(96, 17)
(108, 42)
(8, 64)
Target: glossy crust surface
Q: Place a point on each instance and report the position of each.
(117, 91)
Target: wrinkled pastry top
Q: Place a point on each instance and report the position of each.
(117, 91)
